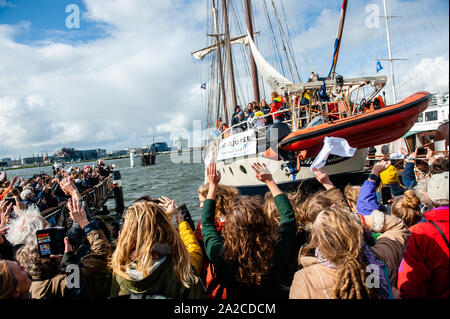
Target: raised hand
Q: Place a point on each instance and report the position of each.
(168, 204)
(380, 167)
(13, 181)
(69, 188)
(262, 172)
(429, 153)
(5, 211)
(323, 178)
(403, 151)
(19, 204)
(264, 175)
(77, 212)
(213, 174)
(413, 156)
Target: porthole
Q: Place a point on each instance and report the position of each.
(243, 170)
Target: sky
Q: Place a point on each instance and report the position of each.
(125, 75)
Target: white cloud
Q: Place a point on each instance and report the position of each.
(5, 3)
(136, 78)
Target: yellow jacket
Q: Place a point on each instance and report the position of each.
(192, 245)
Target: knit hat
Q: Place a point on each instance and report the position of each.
(389, 176)
(437, 188)
(25, 194)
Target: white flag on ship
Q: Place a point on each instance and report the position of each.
(332, 145)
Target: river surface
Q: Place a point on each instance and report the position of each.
(178, 181)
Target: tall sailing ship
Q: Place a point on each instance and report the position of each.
(331, 106)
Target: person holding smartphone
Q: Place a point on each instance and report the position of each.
(49, 281)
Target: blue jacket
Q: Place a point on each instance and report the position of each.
(408, 177)
(367, 198)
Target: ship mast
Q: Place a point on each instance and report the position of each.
(248, 10)
(337, 43)
(219, 61)
(229, 53)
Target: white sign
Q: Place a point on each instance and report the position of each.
(238, 145)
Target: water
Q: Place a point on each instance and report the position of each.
(176, 181)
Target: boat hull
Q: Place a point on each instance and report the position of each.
(364, 130)
(238, 172)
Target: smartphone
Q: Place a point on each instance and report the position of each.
(187, 216)
(386, 194)
(51, 241)
(10, 200)
(421, 151)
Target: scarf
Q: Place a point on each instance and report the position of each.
(384, 291)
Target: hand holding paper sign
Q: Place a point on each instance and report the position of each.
(332, 145)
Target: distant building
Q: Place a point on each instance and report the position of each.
(159, 147)
(32, 160)
(88, 155)
(70, 154)
(6, 159)
(65, 154)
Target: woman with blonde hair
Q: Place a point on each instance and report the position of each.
(151, 260)
(407, 208)
(351, 193)
(338, 264)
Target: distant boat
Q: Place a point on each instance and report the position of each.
(431, 125)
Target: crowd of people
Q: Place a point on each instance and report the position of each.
(256, 115)
(334, 244)
(44, 191)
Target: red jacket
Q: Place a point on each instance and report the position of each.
(276, 105)
(424, 271)
(213, 289)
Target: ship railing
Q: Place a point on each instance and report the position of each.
(94, 199)
(261, 129)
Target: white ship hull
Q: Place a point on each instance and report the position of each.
(238, 172)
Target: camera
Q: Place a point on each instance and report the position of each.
(51, 241)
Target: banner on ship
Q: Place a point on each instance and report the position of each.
(237, 145)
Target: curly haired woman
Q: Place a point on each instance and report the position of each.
(225, 197)
(252, 256)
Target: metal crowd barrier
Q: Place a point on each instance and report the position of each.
(95, 198)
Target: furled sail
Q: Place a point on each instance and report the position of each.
(200, 54)
(268, 72)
